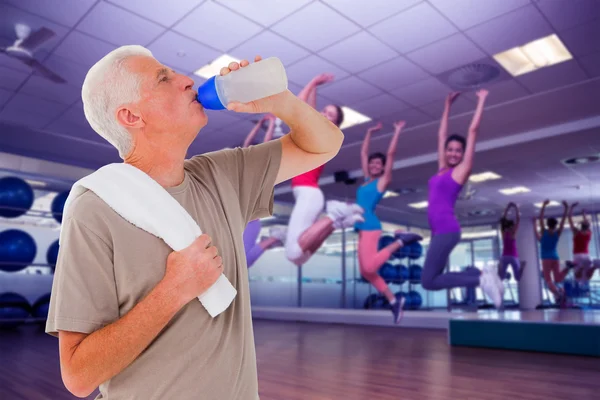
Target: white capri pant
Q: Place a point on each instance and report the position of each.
(309, 203)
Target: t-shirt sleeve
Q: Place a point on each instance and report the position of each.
(252, 171)
(84, 296)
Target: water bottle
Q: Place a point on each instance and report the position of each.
(255, 81)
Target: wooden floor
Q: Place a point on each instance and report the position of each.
(319, 362)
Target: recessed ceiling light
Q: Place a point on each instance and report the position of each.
(480, 213)
(551, 204)
(352, 117)
(421, 204)
(582, 160)
(389, 193)
(484, 176)
(534, 55)
(36, 183)
(514, 190)
(214, 68)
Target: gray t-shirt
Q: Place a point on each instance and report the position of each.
(107, 265)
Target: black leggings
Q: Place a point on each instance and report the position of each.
(433, 277)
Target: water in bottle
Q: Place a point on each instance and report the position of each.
(255, 81)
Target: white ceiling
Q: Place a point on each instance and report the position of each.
(391, 60)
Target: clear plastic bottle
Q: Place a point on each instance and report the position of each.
(255, 81)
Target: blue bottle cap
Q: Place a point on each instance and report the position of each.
(208, 97)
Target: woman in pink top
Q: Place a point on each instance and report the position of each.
(306, 232)
(510, 256)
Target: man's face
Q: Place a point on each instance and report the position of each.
(168, 103)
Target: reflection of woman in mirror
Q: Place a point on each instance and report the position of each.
(277, 235)
(584, 268)
(510, 255)
(548, 236)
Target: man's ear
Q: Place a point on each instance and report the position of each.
(129, 117)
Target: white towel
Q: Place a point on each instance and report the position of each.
(139, 199)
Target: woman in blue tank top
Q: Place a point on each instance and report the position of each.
(377, 169)
(548, 239)
(455, 161)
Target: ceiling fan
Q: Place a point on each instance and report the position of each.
(22, 49)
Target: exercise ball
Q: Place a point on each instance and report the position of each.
(403, 273)
(41, 306)
(370, 301)
(388, 272)
(508, 276)
(16, 197)
(415, 273)
(402, 252)
(52, 254)
(58, 205)
(17, 250)
(14, 308)
(382, 303)
(385, 240)
(415, 250)
(414, 300)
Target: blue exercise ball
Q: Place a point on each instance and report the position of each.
(403, 273)
(58, 205)
(41, 306)
(402, 252)
(370, 301)
(388, 272)
(14, 308)
(52, 254)
(415, 273)
(16, 197)
(415, 250)
(414, 300)
(17, 250)
(385, 240)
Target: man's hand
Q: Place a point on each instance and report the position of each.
(266, 105)
(191, 271)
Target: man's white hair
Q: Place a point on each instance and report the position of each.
(107, 86)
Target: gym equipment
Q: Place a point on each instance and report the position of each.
(415, 250)
(413, 300)
(384, 241)
(389, 272)
(402, 252)
(404, 273)
(370, 301)
(17, 250)
(41, 306)
(415, 273)
(16, 197)
(14, 308)
(58, 205)
(376, 302)
(52, 254)
(508, 276)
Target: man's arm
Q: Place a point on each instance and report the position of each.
(313, 139)
(87, 360)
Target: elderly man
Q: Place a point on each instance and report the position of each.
(123, 303)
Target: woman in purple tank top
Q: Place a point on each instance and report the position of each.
(277, 235)
(510, 256)
(455, 161)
